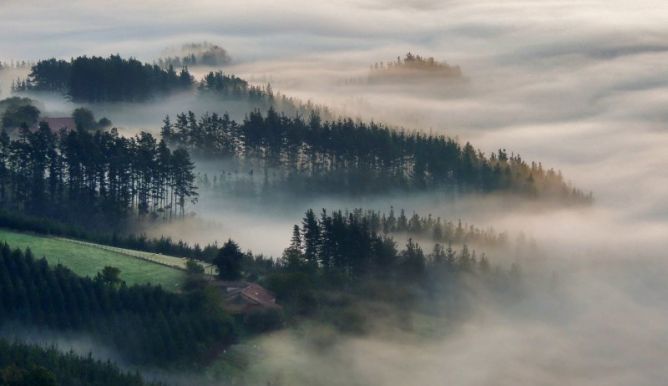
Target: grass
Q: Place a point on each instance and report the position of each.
(87, 259)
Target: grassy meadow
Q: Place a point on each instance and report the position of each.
(87, 259)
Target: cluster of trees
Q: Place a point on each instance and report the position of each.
(98, 79)
(27, 365)
(145, 323)
(348, 246)
(114, 79)
(16, 112)
(84, 119)
(96, 177)
(356, 157)
(233, 86)
(428, 227)
(230, 87)
(414, 65)
(197, 54)
(340, 272)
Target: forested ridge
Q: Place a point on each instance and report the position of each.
(144, 323)
(115, 79)
(337, 264)
(230, 87)
(411, 66)
(341, 269)
(346, 156)
(350, 246)
(427, 227)
(98, 79)
(85, 177)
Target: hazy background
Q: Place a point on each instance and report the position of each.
(581, 86)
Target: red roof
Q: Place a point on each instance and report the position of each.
(259, 294)
(251, 293)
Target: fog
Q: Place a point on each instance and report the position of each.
(579, 86)
(590, 333)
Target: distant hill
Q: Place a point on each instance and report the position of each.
(195, 54)
(99, 79)
(413, 67)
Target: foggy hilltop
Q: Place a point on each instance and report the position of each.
(365, 192)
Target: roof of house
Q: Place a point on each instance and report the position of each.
(251, 292)
(259, 294)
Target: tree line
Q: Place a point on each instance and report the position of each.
(428, 227)
(341, 248)
(311, 155)
(144, 323)
(117, 238)
(115, 79)
(348, 245)
(83, 176)
(231, 87)
(337, 270)
(99, 79)
(28, 365)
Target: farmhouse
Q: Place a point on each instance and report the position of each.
(243, 297)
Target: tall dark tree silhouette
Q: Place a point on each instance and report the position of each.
(98, 79)
(228, 261)
(93, 178)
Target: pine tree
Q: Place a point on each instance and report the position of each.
(312, 233)
(228, 261)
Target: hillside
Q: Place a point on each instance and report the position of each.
(87, 259)
(308, 156)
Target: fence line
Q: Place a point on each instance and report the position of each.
(123, 251)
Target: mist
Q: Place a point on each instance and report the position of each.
(581, 87)
(589, 333)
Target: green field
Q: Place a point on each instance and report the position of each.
(87, 259)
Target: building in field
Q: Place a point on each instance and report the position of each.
(243, 297)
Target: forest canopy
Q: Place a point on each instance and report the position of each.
(354, 157)
(16, 112)
(98, 79)
(93, 178)
(145, 323)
